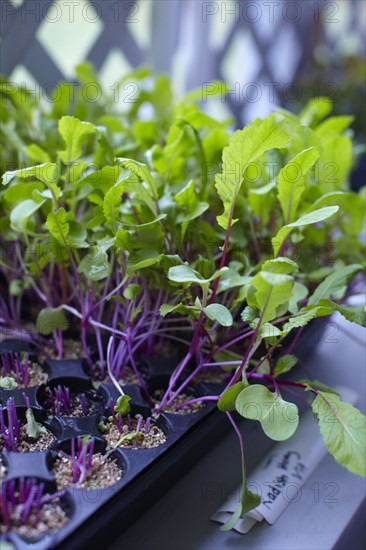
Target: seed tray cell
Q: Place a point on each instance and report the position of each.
(147, 473)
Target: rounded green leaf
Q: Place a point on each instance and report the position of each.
(279, 418)
(227, 399)
(131, 291)
(50, 319)
(219, 313)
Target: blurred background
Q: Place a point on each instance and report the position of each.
(270, 53)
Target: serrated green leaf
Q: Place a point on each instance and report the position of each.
(272, 291)
(246, 146)
(315, 216)
(291, 182)
(58, 226)
(334, 283)
(74, 133)
(142, 171)
(305, 316)
(315, 384)
(279, 418)
(343, 428)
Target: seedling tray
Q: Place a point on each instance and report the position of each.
(98, 516)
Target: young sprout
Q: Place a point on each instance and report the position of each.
(10, 433)
(131, 435)
(81, 458)
(34, 428)
(16, 367)
(60, 400)
(84, 404)
(21, 500)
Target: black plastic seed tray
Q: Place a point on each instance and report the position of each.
(98, 516)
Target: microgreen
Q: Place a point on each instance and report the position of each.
(60, 400)
(175, 231)
(15, 366)
(10, 431)
(81, 458)
(21, 500)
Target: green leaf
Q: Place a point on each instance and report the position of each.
(249, 314)
(36, 154)
(315, 384)
(280, 265)
(74, 133)
(306, 315)
(142, 172)
(267, 330)
(48, 173)
(279, 418)
(315, 216)
(189, 199)
(299, 293)
(22, 191)
(232, 278)
(272, 291)
(291, 182)
(185, 274)
(126, 183)
(95, 264)
(248, 501)
(246, 146)
(354, 314)
(226, 403)
(58, 226)
(131, 291)
(50, 319)
(8, 382)
(219, 313)
(142, 259)
(315, 110)
(262, 201)
(20, 215)
(285, 364)
(343, 428)
(351, 205)
(334, 283)
(123, 406)
(332, 126)
(179, 308)
(34, 429)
